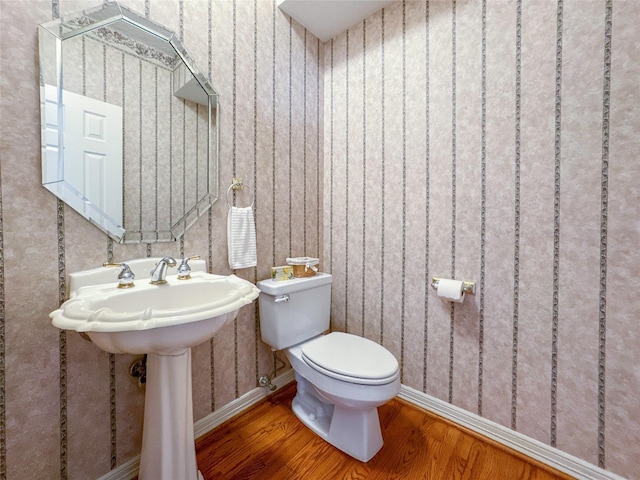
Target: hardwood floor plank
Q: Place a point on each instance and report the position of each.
(257, 452)
(269, 442)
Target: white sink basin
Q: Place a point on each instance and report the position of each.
(163, 321)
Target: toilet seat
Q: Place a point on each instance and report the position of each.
(351, 359)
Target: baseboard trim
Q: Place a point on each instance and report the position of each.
(129, 470)
(223, 414)
(126, 471)
(530, 447)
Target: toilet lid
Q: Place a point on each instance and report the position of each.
(351, 358)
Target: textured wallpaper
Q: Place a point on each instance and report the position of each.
(493, 141)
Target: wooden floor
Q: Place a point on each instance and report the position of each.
(269, 442)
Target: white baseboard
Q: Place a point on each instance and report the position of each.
(230, 410)
(528, 446)
(129, 470)
(553, 457)
(126, 471)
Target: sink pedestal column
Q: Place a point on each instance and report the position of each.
(168, 444)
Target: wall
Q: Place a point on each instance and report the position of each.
(535, 141)
(68, 410)
(494, 141)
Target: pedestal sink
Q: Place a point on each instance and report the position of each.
(163, 321)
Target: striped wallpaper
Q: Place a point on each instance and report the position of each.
(491, 141)
(487, 140)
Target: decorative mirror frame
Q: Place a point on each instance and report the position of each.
(107, 22)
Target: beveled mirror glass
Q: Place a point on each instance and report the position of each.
(129, 124)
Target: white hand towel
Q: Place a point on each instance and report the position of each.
(241, 238)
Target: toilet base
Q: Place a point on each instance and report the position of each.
(354, 431)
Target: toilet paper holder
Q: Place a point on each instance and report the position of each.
(467, 287)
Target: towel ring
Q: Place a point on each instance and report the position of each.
(238, 186)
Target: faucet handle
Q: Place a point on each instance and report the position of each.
(125, 277)
(184, 270)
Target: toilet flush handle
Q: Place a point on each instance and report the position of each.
(282, 299)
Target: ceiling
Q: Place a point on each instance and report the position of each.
(328, 18)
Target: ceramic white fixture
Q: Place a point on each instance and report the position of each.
(342, 378)
(163, 321)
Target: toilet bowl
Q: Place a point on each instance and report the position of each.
(343, 412)
(342, 378)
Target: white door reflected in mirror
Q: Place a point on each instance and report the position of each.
(93, 154)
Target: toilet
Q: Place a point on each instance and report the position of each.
(342, 378)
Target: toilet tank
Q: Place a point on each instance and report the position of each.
(293, 311)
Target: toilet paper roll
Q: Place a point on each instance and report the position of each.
(451, 290)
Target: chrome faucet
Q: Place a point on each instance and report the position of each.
(159, 273)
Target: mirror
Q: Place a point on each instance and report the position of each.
(129, 124)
